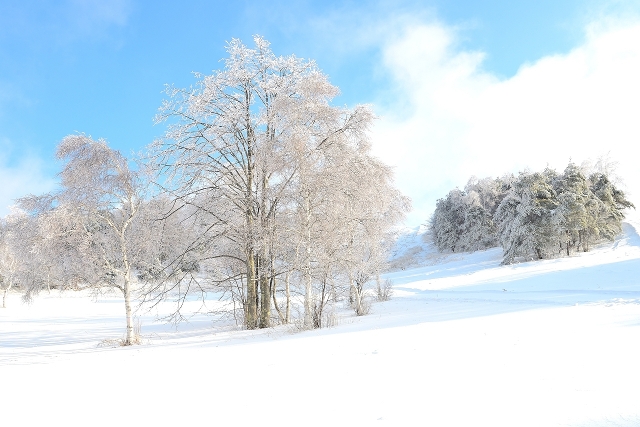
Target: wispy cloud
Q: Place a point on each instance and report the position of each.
(28, 174)
(96, 15)
(56, 23)
(458, 120)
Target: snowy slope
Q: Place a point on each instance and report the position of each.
(411, 249)
(464, 341)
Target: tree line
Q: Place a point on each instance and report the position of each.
(260, 192)
(534, 215)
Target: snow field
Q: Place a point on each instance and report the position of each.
(465, 342)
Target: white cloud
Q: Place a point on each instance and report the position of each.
(463, 121)
(27, 175)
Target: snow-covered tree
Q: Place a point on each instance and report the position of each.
(489, 191)
(9, 262)
(524, 218)
(589, 210)
(535, 216)
(463, 220)
(256, 153)
(478, 230)
(571, 215)
(26, 257)
(613, 201)
(87, 222)
(447, 221)
(368, 208)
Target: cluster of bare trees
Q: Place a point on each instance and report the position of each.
(278, 183)
(260, 191)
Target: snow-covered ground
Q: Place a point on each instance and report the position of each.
(464, 342)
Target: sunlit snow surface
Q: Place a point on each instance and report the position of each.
(464, 342)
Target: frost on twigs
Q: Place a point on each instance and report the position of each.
(260, 191)
(363, 307)
(384, 290)
(90, 232)
(279, 194)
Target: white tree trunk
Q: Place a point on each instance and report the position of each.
(308, 290)
(130, 339)
(4, 295)
(287, 317)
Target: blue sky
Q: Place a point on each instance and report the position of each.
(99, 67)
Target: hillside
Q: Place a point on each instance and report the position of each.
(464, 341)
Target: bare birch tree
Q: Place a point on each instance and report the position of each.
(21, 263)
(89, 219)
(374, 207)
(8, 259)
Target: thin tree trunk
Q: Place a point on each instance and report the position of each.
(265, 301)
(251, 310)
(130, 338)
(308, 315)
(4, 297)
(308, 318)
(352, 290)
(585, 245)
(287, 318)
(275, 304)
(265, 269)
(321, 305)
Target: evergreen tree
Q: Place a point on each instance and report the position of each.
(613, 203)
(447, 221)
(478, 230)
(577, 212)
(524, 218)
(534, 216)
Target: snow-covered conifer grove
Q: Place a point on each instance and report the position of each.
(534, 215)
